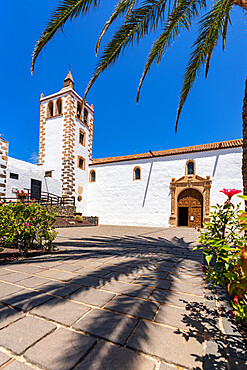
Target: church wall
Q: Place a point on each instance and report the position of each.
(116, 199)
(27, 171)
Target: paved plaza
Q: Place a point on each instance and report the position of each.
(116, 298)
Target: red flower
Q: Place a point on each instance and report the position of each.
(230, 192)
(235, 299)
(233, 314)
(204, 268)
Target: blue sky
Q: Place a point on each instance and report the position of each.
(212, 111)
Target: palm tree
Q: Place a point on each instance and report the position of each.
(169, 18)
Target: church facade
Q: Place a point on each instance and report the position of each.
(172, 187)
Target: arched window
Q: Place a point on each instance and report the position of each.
(137, 173)
(79, 109)
(92, 176)
(85, 116)
(50, 110)
(190, 168)
(59, 106)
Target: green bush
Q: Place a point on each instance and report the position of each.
(224, 245)
(26, 226)
(78, 218)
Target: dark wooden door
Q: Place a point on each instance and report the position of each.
(191, 199)
(36, 189)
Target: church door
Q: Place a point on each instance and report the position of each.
(190, 205)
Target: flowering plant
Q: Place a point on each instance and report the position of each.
(21, 194)
(26, 226)
(224, 246)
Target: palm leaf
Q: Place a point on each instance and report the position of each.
(181, 17)
(211, 27)
(67, 9)
(142, 21)
(122, 7)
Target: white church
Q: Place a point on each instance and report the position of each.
(173, 187)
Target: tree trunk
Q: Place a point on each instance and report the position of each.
(244, 162)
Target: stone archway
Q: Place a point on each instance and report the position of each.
(190, 208)
(190, 182)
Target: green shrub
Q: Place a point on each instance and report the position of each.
(78, 218)
(26, 226)
(224, 245)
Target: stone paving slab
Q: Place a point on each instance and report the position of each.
(8, 315)
(63, 349)
(133, 306)
(163, 319)
(20, 335)
(91, 296)
(169, 344)
(7, 289)
(179, 318)
(3, 358)
(26, 299)
(177, 299)
(17, 365)
(61, 310)
(107, 325)
(107, 356)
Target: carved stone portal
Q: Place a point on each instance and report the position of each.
(203, 185)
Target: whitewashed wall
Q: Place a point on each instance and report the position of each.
(26, 172)
(116, 199)
(81, 176)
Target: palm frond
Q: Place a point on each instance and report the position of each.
(121, 8)
(180, 18)
(142, 21)
(211, 27)
(67, 9)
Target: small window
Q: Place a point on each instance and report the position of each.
(59, 106)
(137, 174)
(92, 176)
(48, 173)
(190, 168)
(50, 111)
(82, 137)
(14, 176)
(81, 163)
(79, 109)
(85, 116)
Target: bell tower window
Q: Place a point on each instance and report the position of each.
(50, 110)
(85, 116)
(79, 109)
(82, 137)
(59, 106)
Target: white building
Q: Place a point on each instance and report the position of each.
(172, 187)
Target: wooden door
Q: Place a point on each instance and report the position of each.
(192, 199)
(36, 189)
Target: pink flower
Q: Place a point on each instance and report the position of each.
(230, 192)
(233, 314)
(235, 300)
(204, 268)
(27, 224)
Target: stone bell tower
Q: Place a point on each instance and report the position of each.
(65, 139)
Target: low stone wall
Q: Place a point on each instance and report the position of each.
(92, 220)
(65, 211)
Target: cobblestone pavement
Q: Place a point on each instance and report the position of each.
(116, 298)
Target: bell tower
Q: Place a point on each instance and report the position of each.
(65, 139)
